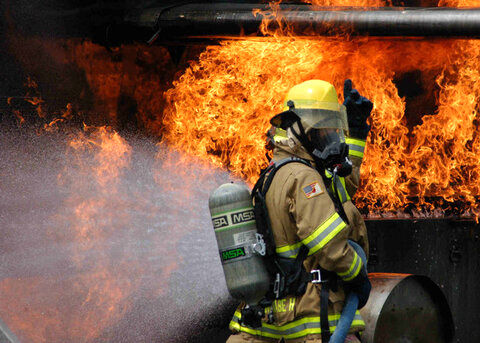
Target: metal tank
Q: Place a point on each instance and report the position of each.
(405, 308)
(241, 248)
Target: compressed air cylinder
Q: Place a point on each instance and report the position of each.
(239, 244)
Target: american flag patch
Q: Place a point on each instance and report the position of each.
(312, 190)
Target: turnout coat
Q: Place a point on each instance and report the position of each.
(302, 213)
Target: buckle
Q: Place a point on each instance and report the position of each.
(316, 276)
(276, 286)
(259, 247)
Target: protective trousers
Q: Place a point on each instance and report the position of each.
(242, 337)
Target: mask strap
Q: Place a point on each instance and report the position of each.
(302, 137)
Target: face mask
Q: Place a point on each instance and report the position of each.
(330, 147)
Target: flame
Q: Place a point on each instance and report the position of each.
(220, 107)
(353, 3)
(218, 111)
(458, 3)
(418, 157)
(102, 295)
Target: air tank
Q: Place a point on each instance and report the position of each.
(240, 246)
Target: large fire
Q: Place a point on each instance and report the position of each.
(423, 153)
(220, 107)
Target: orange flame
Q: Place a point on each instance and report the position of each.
(219, 111)
(423, 156)
(220, 107)
(102, 295)
(458, 3)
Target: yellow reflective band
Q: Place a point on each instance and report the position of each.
(342, 189)
(355, 141)
(356, 147)
(355, 259)
(356, 153)
(354, 269)
(295, 329)
(289, 251)
(324, 233)
(347, 198)
(321, 228)
(238, 327)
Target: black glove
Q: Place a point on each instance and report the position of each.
(361, 286)
(358, 110)
(252, 316)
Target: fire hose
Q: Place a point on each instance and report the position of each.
(351, 304)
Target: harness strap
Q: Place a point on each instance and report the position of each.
(325, 326)
(336, 200)
(259, 192)
(275, 167)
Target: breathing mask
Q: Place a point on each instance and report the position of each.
(330, 148)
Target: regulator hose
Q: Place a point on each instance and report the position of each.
(351, 304)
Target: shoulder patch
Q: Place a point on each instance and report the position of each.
(312, 190)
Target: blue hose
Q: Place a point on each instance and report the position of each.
(351, 304)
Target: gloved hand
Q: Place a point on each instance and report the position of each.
(358, 110)
(361, 286)
(252, 316)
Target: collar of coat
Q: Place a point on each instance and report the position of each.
(282, 152)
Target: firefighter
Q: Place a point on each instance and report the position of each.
(309, 204)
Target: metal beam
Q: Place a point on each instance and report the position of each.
(233, 20)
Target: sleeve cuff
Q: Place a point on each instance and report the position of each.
(356, 146)
(354, 269)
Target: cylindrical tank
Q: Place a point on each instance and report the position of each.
(239, 244)
(405, 308)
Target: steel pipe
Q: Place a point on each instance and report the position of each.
(218, 20)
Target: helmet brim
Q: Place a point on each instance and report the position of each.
(312, 118)
(284, 119)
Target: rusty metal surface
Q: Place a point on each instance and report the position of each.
(406, 308)
(382, 285)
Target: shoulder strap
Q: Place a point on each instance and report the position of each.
(259, 192)
(276, 166)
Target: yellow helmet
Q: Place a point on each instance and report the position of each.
(315, 103)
